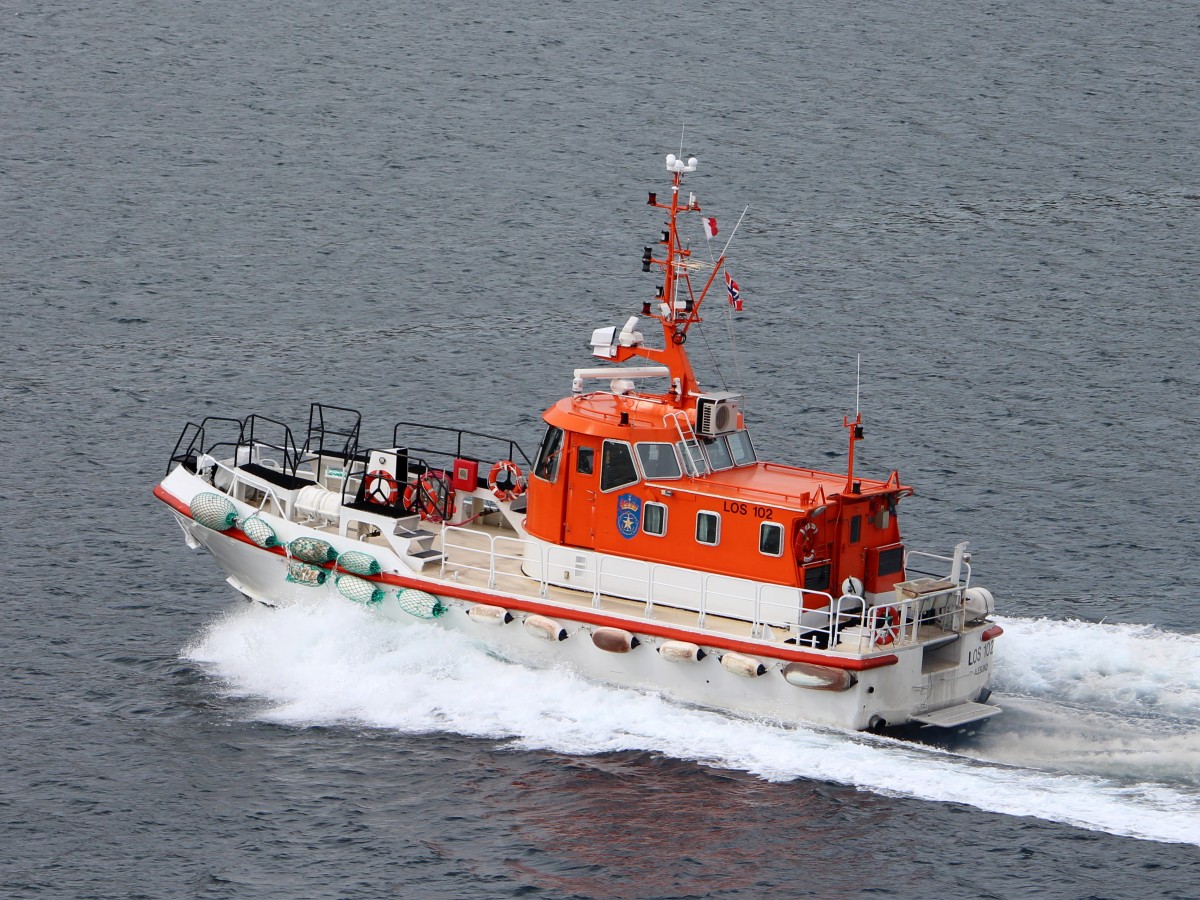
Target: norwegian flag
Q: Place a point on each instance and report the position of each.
(710, 228)
(735, 293)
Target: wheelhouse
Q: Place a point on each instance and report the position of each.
(633, 475)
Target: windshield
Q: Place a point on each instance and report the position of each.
(718, 453)
(742, 449)
(659, 461)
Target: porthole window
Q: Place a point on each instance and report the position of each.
(654, 519)
(770, 539)
(708, 528)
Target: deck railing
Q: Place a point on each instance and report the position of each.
(806, 617)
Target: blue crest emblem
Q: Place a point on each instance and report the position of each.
(629, 515)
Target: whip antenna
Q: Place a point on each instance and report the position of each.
(857, 383)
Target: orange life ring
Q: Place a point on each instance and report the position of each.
(506, 481)
(380, 487)
(885, 622)
(806, 541)
(432, 497)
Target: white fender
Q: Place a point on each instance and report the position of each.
(739, 664)
(544, 628)
(680, 651)
(490, 615)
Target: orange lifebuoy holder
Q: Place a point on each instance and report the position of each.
(432, 497)
(885, 622)
(506, 481)
(380, 487)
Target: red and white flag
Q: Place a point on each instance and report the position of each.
(735, 293)
(710, 228)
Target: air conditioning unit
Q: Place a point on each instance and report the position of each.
(717, 413)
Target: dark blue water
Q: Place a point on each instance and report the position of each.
(422, 211)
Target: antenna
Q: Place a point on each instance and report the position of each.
(854, 430)
(682, 129)
(857, 384)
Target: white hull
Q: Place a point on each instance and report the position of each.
(908, 678)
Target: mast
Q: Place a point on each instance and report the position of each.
(676, 304)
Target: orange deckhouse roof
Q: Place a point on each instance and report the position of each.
(599, 414)
(647, 419)
(780, 485)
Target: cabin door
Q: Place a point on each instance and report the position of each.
(850, 548)
(582, 496)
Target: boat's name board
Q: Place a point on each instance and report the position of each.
(978, 657)
(743, 509)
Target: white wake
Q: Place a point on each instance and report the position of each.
(1102, 732)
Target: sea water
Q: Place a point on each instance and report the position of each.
(422, 212)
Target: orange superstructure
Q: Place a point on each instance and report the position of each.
(672, 477)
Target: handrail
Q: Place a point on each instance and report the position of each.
(319, 428)
(199, 438)
(689, 441)
(650, 588)
(801, 611)
(459, 432)
(965, 582)
(291, 454)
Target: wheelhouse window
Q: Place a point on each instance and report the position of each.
(658, 461)
(708, 528)
(741, 448)
(770, 539)
(616, 466)
(549, 454)
(718, 454)
(654, 519)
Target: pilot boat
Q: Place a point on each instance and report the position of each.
(643, 544)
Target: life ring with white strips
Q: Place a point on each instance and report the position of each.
(885, 622)
(506, 481)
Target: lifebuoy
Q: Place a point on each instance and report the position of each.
(885, 622)
(432, 497)
(806, 541)
(505, 480)
(380, 487)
